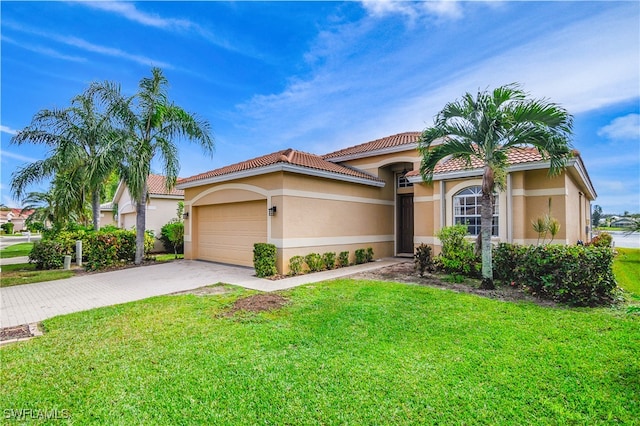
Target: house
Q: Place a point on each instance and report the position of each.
(107, 215)
(162, 206)
(15, 216)
(623, 222)
(369, 195)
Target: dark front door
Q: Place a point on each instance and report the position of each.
(405, 224)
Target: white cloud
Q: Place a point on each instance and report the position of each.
(129, 11)
(623, 128)
(449, 9)
(9, 154)
(43, 50)
(9, 130)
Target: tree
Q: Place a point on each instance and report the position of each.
(596, 215)
(152, 123)
(45, 209)
(484, 128)
(83, 153)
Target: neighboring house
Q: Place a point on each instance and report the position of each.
(623, 222)
(369, 195)
(16, 217)
(107, 216)
(162, 206)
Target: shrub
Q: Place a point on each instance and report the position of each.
(369, 254)
(329, 260)
(361, 256)
(343, 259)
(46, 255)
(506, 257)
(172, 237)
(457, 256)
(104, 249)
(423, 260)
(604, 239)
(314, 262)
(575, 275)
(296, 265)
(264, 259)
(7, 227)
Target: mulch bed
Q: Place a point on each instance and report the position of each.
(258, 303)
(16, 332)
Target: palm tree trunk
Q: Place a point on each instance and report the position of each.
(141, 219)
(95, 208)
(486, 224)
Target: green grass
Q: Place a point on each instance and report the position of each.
(341, 352)
(167, 257)
(25, 273)
(626, 267)
(16, 250)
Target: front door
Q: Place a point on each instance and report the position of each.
(405, 223)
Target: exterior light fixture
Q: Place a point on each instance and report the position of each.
(185, 215)
(272, 211)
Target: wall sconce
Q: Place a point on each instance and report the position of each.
(185, 215)
(272, 211)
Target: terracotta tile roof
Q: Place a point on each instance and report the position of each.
(400, 139)
(156, 184)
(287, 156)
(514, 156)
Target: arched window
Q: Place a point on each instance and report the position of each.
(466, 210)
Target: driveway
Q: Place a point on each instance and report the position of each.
(29, 303)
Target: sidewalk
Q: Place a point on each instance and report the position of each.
(31, 303)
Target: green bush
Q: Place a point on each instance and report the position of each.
(104, 249)
(329, 260)
(369, 254)
(46, 255)
(423, 260)
(343, 259)
(7, 227)
(506, 257)
(575, 275)
(264, 259)
(314, 262)
(604, 239)
(296, 265)
(457, 255)
(172, 236)
(361, 256)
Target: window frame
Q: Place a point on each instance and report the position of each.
(466, 205)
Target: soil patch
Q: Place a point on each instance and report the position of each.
(17, 332)
(405, 272)
(258, 303)
(203, 291)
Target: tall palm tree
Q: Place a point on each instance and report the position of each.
(83, 147)
(44, 208)
(485, 128)
(153, 124)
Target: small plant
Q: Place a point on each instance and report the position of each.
(46, 255)
(329, 260)
(604, 239)
(546, 225)
(314, 262)
(7, 228)
(264, 259)
(457, 254)
(361, 256)
(423, 260)
(296, 265)
(343, 259)
(369, 254)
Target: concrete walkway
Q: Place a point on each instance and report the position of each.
(29, 303)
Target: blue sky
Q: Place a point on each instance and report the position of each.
(319, 76)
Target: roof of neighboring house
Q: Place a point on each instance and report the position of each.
(400, 140)
(291, 157)
(106, 206)
(157, 186)
(514, 156)
(14, 214)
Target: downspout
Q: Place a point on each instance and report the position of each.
(509, 210)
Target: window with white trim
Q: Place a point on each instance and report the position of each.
(466, 210)
(402, 181)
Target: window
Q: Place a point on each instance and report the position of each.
(466, 210)
(402, 181)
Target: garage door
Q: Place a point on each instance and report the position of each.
(227, 232)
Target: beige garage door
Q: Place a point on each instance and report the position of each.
(227, 232)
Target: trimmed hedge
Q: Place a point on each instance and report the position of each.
(46, 255)
(575, 275)
(264, 259)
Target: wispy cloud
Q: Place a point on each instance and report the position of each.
(13, 155)
(447, 9)
(9, 130)
(129, 11)
(42, 50)
(87, 46)
(623, 128)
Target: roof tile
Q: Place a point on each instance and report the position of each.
(157, 186)
(399, 139)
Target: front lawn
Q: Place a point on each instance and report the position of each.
(16, 250)
(340, 352)
(626, 267)
(26, 273)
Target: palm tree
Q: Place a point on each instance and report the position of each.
(152, 123)
(83, 148)
(485, 128)
(44, 208)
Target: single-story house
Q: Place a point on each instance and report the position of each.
(162, 206)
(15, 216)
(108, 215)
(369, 195)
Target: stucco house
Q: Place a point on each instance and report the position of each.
(369, 195)
(15, 216)
(162, 206)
